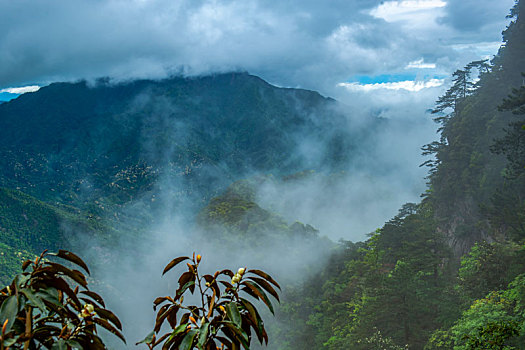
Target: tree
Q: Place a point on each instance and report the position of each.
(513, 143)
(223, 317)
(51, 307)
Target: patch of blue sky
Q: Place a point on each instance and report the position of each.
(393, 78)
(7, 96)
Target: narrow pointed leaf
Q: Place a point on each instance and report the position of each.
(105, 324)
(94, 296)
(34, 299)
(260, 293)
(26, 264)
(174, 263)
(147, 339)
(260, 331)
(8, 311)
(265, 276)
(75, 275)
(187, 342)
(233, 314)
(239, 333)
(110, 316)
(203, 334)
(262, 283)
(185, 287)
(64, 254)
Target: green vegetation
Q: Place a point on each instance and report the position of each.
(446, 273)
(51, 307)
(224, 315)
(29, 226)
(235, 214)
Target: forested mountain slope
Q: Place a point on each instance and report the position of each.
(449, 272)
(77, 143)
(96, 149)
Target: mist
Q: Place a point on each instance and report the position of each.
(346, 200)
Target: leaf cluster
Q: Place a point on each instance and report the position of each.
(49, 306)
(224, 315)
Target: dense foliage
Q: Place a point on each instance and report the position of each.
(224, 315)
(51, 307)
(447, 273)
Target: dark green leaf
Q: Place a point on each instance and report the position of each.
(50, 295)
(33, 298)
(233, 313)
(10, 341)
(185, 287)
(74, 344)
(59, 345)
(187, 342)
(180, 329)
(147, 339)
(203, 334)
(8, 311)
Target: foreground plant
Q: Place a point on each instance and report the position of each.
(223, 320)
(45, 308)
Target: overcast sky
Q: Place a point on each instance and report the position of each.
(318, 45)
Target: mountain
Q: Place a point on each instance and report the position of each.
(76, 143)
(448, 272)
(466, 179)
(93, 150)
(28, 226)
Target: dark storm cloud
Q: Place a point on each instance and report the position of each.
(309, 43)
(475, 15)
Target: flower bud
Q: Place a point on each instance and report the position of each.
(241, 271)
(236, 278)
(199, 257)
(89, 308)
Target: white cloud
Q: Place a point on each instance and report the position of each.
(393, 11)
(408, 85)
(420, 64)
(21, 90)
(479, 48)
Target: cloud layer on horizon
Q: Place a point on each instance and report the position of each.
(289, 43)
